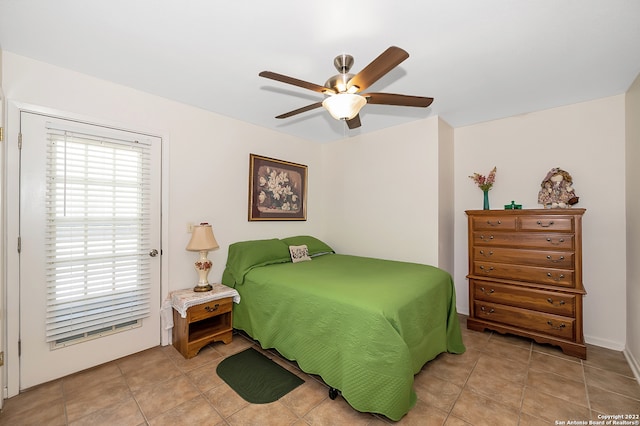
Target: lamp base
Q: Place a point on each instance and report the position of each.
(200, 288)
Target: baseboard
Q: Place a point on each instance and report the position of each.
(633, 363)
(604, 343)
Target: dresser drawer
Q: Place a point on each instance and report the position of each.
(525, 240)
(504, 223)
(522, 297)
(553, 259)
(549, 276)
(206, 310)
(547, 223)
(553, 325)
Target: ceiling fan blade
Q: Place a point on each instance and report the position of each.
(394, 99)
(354, 123)
(296, 82)
(300, 110)
(388, 60)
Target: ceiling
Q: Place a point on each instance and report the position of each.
(480, 60)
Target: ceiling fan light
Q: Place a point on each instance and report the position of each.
(344, 106)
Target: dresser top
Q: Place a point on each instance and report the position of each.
(527, 212)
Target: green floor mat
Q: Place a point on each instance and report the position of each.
(256, 378)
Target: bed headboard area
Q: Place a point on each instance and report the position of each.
(246, 255)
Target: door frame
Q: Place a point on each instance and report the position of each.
(11, 225)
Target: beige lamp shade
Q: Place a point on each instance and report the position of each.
(202, 238)
(344, 106)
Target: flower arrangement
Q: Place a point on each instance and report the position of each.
(484, 182)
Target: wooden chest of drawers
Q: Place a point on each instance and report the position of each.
(525, 275)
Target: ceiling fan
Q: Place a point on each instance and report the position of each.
(344, 98)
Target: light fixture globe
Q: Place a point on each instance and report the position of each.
(344, 106)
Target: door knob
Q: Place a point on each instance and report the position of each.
(153, 253)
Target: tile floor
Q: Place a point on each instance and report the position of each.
(500, 380)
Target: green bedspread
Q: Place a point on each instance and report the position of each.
(365, 325)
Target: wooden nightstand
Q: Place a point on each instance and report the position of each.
(208, 318)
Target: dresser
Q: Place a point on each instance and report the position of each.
(525, 275)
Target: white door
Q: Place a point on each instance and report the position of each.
(51, 206)
(2, 293)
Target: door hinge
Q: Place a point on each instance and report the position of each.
(1, 358)
(19, 140)
(19, 244)
(19, 347)
(1, 134)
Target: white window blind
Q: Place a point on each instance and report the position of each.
(97, 234)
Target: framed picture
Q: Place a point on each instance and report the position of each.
(277, 189)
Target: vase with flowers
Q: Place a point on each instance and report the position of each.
(485, 183)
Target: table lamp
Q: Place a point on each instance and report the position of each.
(202, 240)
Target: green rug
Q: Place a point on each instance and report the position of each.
(256, 378)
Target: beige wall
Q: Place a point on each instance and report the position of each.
(446, 201)
(587, 140)
(633, 224)
(381, 193)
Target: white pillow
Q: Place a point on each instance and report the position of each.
(299, 253)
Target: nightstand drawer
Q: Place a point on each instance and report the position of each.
(208, 309)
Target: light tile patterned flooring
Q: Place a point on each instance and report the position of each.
(500, 380)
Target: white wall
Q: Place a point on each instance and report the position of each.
(588, 141)
(446, 201)
(633, 224)
(381, 193)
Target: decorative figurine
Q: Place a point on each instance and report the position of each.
(557, 190)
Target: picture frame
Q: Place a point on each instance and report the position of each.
(277, 189)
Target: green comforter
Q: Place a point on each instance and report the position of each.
(365, 325)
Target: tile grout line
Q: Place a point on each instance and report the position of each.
(200, 392)
(464, 385)
(586, 389)
(524, 385)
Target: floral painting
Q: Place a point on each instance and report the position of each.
(277, 189)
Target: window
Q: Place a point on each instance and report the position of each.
(97, 268)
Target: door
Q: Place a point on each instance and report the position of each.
(89, 256)
(2, 284)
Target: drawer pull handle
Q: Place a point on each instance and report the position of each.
(486, 270)
(482, 237)
(559, 303)
(486, 255)
(561, 276)
(560, 259)
(494, 223)
(486, 292)
(560, 241)
(490, 311)
(556, 327)
(210, 309)
(549, 224)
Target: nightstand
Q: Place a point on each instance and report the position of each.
(200, 318)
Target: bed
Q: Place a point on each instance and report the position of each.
(366, 326)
